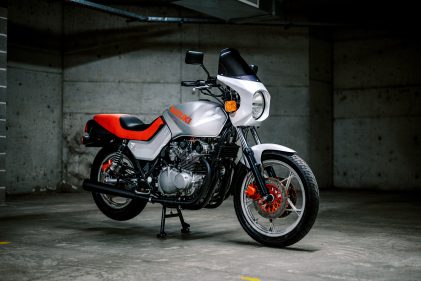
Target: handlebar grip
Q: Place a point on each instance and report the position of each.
(193, 83)
(188, 83)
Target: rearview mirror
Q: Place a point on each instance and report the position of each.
(254, 68)
(194, 57)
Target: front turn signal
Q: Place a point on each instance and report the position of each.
(230, 106)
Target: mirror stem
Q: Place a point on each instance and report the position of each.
(204, 68)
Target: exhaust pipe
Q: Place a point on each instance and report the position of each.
(100, 187)
(193, 204)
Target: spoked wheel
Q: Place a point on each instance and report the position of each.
(115, 207)
(291, 214)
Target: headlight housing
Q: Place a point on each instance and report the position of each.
(258, 105)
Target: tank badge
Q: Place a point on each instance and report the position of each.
(180, 114)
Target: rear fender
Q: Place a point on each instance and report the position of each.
(97, 136)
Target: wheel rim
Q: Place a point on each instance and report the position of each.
(289, 184)
(115, 202)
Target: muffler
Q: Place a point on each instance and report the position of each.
(100, 187)
(194, 204)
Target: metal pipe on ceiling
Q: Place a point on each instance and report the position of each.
(181, 20)
(141, 18)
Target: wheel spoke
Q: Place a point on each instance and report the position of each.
(294, 208)
(249, 203)
(256, 220)
(289, 180)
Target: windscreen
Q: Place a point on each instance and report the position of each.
(231, 64)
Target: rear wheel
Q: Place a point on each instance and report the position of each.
(115, 207)
(290, 216)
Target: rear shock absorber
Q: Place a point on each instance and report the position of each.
(118, 158)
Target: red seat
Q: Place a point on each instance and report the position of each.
(111, 122)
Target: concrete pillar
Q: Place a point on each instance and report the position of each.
(3, 100)
(321, 107)
(34, 107)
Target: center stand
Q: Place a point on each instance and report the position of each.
(185, 226)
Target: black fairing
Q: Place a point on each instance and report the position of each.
(231, 64)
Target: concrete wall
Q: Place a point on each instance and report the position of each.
(377, 110)
(68, 63)
(34, 115)
(320, 107)
(3, 100)
(114, 66)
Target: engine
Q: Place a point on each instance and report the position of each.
(184, 173)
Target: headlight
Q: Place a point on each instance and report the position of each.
(258, 105)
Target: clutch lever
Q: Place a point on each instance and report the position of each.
(200, 88)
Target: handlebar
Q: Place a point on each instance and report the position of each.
(204, 86)
(196, 83)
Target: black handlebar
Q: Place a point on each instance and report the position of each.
(204, 87)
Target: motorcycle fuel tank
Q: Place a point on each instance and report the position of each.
(197, 118)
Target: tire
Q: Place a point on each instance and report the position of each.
(124, 210)
(258, 222)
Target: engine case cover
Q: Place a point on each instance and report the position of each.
(171, 180)
(196, 118)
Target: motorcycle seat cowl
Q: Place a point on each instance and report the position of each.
(128, 126)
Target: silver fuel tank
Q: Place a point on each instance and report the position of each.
(196, 118)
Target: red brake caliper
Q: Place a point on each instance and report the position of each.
(106, 165)
(267, 209)
(252, 192)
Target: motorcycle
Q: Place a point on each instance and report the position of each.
(197, 154)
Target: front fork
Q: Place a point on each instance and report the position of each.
(254, 166)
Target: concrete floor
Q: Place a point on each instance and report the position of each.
(358, 236)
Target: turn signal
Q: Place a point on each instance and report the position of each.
(230, 106)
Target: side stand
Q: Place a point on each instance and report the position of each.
(185, 226)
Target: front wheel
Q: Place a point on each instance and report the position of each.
(292, 213)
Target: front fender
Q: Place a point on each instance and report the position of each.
(260, 148)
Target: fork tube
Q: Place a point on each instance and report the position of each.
(256, 138)
(255, 135)
(254, 167)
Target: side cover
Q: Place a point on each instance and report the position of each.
(149, 150)
(196, 118)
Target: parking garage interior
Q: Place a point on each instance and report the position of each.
(345, 85)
